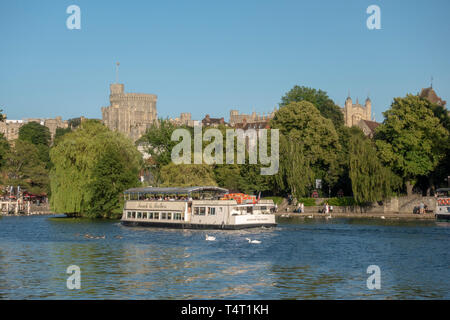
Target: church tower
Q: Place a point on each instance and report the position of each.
(368, 106)
(348, 109)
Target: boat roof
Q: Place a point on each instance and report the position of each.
(172, 190)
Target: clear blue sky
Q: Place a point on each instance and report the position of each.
(211, 56)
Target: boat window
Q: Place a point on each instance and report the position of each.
(249, 210)
(134, 215)
(196, 210)
(163, 215)
(212, 211)
(139, 215)
(156, 215)
(144, 215)
(202, 211)
(129, 214)
(150, 215)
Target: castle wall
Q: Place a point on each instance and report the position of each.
(10, 128)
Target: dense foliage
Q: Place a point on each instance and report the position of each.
(309, 145)
(319, 99)
(411, 138)
(91, 167)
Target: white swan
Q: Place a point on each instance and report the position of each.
(210, 238)
(310, 217)
(382, 217)
(253, 241)
(328, 217)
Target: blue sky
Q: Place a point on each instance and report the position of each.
(212, 56)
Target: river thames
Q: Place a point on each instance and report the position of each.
(299, 259)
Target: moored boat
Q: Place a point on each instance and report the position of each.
(443, 204)
(203, 207)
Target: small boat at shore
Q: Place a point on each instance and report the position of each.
(203, 207)
(443, 204)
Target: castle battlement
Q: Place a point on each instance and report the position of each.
(129, 113)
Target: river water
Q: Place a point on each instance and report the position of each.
(300, 259)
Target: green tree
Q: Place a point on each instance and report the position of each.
(110, 177)
(229, 176)
(440, 173)
(409, 139)
(40, 136)
(186, 175)
(319, 99)
(370, 180)
(159, 145)
(74, 178)
(35, 133)
(309, 146)
(4, 148)
(60, 132)
(24, 168)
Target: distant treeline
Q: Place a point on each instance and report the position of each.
(87, 166)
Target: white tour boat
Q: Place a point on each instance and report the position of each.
(443, 204)
(195, 208)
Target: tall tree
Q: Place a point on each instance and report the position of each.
(24, 168)
(80, 168)
(370, 180)
(309, 146)
(159, 145)
(319, 99)
(40, 136)
(409, 140)
(4, 148)
(109, 178)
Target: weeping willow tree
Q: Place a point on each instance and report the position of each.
(371, 181)
(295, 173)
(80, 170)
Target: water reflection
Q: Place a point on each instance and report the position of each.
(300, 259)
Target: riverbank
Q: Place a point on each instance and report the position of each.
(371, 215)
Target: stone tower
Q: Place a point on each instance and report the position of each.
(129, 113)
(353, 113)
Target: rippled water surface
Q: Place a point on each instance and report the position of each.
(300, 259)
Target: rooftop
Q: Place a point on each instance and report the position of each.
(173, 190)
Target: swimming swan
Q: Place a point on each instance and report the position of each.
(210, 238)
(253, 241)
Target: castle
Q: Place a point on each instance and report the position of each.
(129, 113)
(10, 128)
(353, 113)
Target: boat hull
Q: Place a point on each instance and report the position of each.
(442, 216)
(195, 225)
